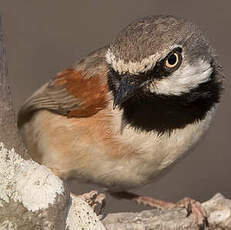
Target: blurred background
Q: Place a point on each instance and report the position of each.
(44, 37)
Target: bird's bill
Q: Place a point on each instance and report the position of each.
(127, 88)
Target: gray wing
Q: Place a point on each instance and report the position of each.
(51, 97)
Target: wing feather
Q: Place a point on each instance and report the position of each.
(72, 93)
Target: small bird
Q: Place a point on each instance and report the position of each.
(126, 112)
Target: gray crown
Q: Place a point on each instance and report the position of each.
(156, 36)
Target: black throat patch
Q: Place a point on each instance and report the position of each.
(165, 113)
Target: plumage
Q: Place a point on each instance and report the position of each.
(160, 112)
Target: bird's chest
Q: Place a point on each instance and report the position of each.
(95, 150)
(148, 153)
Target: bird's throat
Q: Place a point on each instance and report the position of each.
(164, 113)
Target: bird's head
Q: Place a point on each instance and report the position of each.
(162, 56)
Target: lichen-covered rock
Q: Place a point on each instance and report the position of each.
(25, 181)
(82, 217)
(219, 212)
(31, 196)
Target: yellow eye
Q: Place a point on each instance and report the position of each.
(172, 60)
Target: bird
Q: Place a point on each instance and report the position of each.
(127, 112)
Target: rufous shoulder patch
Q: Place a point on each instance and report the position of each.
(92, 92)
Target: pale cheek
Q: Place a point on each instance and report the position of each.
(183, 80)
(151, 88)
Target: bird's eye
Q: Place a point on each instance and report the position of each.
(173, 60)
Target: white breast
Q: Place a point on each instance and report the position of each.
(155, 152)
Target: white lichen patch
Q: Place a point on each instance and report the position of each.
(25, 181)
(219, 216)
(81, 216)
(7, 225)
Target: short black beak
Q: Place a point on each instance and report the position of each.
(127, 87)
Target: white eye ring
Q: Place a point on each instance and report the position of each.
(172, 60)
